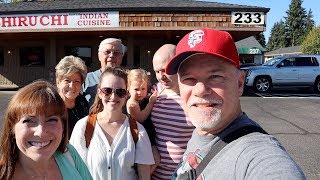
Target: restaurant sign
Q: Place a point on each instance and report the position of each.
(60, 20)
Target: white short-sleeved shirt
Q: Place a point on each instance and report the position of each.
(115, 161)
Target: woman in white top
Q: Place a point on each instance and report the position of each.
(112, 153)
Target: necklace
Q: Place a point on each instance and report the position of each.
(75, 113)
(79, 111)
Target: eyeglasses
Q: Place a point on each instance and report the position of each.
(121, 93)
(108, 52)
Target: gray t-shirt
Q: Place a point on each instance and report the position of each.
(89, 87)
(253, 156)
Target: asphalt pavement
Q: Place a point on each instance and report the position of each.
(293, 119)
(295, 122)
(4, 99)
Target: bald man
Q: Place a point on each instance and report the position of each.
(173, 129)
(160, 59)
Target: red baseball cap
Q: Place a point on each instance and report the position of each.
(204, 40)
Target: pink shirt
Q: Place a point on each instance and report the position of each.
(173, 131)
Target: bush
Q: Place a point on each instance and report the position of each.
(311, 44)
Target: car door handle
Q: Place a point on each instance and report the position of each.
(294, 70)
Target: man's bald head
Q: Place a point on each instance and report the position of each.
(160, 59)
(165, 53)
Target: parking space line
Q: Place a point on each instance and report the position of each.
(277, 95)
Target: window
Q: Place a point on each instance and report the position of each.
(288, 62)
(306, 61)
(1, 57)
(82, 52)
(32, 56)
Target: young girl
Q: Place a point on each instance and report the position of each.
(139, 106)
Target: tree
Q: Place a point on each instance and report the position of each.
(261, 39)
(309, 21)
(295, 23)
(278, 36)
(311, 44)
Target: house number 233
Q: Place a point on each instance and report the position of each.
(247, 18)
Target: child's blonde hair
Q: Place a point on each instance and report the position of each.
(139, 75)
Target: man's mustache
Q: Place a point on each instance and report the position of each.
(195, 101)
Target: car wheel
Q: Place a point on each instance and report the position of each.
(317, 85)
(262, 84)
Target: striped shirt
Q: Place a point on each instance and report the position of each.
(173, 131)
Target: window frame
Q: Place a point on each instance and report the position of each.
(88, 60)
(28, 59)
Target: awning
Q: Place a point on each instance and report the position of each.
(249, 50)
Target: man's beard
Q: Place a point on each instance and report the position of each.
(206, 119)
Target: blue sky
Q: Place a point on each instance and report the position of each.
(278, 9)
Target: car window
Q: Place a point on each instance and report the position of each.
(288, 62)
(271, 62)
(306, 61)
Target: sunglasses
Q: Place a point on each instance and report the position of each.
(121, 93)
(108, 52)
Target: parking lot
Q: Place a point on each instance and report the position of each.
(292, 116)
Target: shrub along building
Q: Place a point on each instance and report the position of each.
(34, 36)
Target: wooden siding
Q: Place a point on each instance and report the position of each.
(222, 20)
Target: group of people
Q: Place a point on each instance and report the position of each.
(113, 124)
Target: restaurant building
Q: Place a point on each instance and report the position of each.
(34, 36)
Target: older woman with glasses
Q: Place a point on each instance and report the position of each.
(70, 74)
(109, 149)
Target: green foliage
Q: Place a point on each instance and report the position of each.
(311, 44)
(309, 21)
(296, 26)
(295, 23)
(261, 39)
(278, 36)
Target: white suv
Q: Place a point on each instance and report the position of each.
(297, 71)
